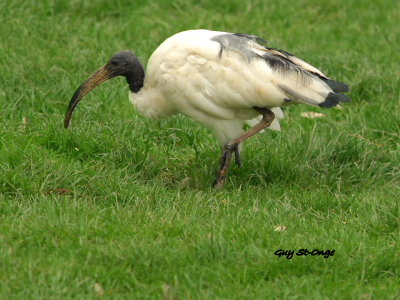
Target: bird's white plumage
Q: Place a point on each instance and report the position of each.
(188, 74)
(222, 80)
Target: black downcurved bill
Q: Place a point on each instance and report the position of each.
(96, 79)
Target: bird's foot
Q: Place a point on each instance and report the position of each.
(233, 146)
(219, 183)
(225, 164)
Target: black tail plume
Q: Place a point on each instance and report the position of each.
(333, 99)
(336, 86)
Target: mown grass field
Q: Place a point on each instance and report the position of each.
(121, 207)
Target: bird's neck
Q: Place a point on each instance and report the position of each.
(135, 78)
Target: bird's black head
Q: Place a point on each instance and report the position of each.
(123, 63)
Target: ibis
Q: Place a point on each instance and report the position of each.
(223, 81)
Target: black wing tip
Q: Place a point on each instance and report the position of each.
(333, 100)
(255, 38)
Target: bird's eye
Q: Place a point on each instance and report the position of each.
(114, 62)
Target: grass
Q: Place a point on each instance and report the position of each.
(122, 207)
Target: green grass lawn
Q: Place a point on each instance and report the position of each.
(121, 207)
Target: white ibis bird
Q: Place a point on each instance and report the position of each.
(222, 80)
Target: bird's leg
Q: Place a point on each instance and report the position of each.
(233, 146)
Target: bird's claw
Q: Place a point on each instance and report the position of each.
(219, 183)
(225, 164)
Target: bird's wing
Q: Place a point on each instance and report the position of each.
(336, 86)
(295, 78)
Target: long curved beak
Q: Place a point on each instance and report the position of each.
(96, 79)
